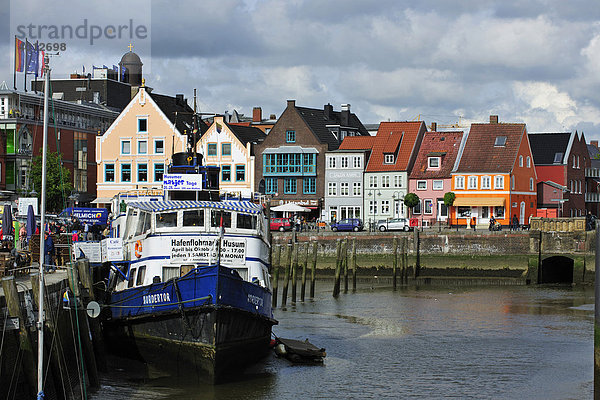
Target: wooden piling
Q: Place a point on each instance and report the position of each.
(353, 263)
(418, 253)
(345, 261)
(28, 364)
(313, 270)
(286, 278)
(336, 283)
(395, 262)
(295, 271)
(403, 259)
(275, 266)
(304, 267)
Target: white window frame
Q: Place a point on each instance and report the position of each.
(520, 161)
(421, 185)
(528, 162)
(486, 182)
(437, 159)
(373, 181)
(499, 182)
(385, 206)
(344, 162)
(437, 184)
(154, 147)
(385, 181)
(388, 159)
(137, 126)
(356, 188)
(425, 203)
(344, 189)
(356, 162)
(331, 162)
(138, 146)
(512, 182)
(121, 146)
(398, 181)
(459, 182)
(531, 184)
(332, 189)
(472, 182)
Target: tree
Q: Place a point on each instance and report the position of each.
(449, 199)
(58, 180)
(411, 200)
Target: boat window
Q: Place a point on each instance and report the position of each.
(243, 273)
(193, 218)
(143, 224)
(131, 280)
(215, 218)
(246, 221)
(166, 220)
(129, 227)
(186, 269)
(141, 274)
(169, 273)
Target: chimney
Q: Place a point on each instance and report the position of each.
(345, 115)
(433, 126)
(272, 117)
(179, 99)
(594, 143)
(493, 119)
(328, 111)
(291, 103)
(256, 114)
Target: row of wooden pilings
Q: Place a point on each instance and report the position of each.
(73, 345)
(345, 264)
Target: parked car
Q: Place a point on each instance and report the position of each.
(281, 224)
(394, 224)
(347, 224)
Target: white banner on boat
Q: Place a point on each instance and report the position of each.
(89, 250)
(182, 182)
(233, 251)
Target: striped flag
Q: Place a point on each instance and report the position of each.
(19, 55)
(40, 66)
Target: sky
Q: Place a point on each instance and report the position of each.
(535, 61)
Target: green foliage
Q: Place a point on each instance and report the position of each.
(449, 199)
(57, 183)
(411, 200)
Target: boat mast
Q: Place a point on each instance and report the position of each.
(40, 324)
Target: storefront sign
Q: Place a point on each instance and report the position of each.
(182, 182)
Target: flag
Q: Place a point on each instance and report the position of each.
(19, 55)
(32, 58)
(219, 128)
(83, 69)
(115, 68)
(40, 68)
(123, 72)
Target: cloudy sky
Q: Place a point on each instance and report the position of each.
(534, 61)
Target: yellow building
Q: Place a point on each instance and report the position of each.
(135, 151)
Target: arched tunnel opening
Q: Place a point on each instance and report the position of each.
(557, 269)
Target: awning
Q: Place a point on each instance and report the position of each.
(101, 200)
(479, 201)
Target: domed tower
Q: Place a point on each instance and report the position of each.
(133, 65)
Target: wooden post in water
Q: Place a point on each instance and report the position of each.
(13, 304)
(345, 255)
(286, 278)
(338, 267)
(313, 270)
(418, 253)
(51, 351)
(403, 273)
(539, 271)
(395, 262)
(275, 263)
(304, 266)
(295, 271)
(353, 260)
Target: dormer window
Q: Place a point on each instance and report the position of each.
(434, 162)
(389, 159)
(558, 158)
(500, 141)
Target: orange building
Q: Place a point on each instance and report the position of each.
(495, 176)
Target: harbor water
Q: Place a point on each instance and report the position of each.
(428, 342)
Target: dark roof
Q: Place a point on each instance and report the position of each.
(317, 121)
(545, 146)
(441, 144)
(178, 112)
(481, 154)
(594, 153)
(247, 134)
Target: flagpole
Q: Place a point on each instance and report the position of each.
(37, 51)
(15, 62)
(40, 371)
(26, 66)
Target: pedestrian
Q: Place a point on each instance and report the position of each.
(515, 222)
(75, 236)
(473, 224)
(49, 253)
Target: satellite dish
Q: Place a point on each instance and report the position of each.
(93, 309)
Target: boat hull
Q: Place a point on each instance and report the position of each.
(213, 338)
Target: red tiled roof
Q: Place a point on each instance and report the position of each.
(357, 143)
(481, 155)
(437, 142)
(394, 137)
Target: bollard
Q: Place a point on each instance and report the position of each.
(286, 278)
(336, 283)
(276, 261)
(353, 261)
(313, 271)
(295, 271)
(304, 266)
(395, 261)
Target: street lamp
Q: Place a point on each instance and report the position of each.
(373, 193)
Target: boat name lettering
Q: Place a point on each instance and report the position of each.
(191, 242)
(257, 301)
(156, 298)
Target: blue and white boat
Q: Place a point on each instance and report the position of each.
(193, 291)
